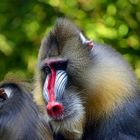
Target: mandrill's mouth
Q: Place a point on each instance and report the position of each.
(59, 118)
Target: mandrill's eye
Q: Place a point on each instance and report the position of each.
(46, 70)
(3, 95)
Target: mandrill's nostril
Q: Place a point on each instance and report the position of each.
(54, 109)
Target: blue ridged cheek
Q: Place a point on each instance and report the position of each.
(59, 87)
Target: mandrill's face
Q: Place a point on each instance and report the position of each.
(63, 105)
(62, 101)
(62, 65)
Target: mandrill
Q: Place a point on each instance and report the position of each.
(85, 90)
(19, 116)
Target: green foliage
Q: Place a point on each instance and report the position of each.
(23, 23)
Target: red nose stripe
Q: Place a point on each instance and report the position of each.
(51, 83)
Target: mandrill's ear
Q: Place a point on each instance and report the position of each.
(85, 41)
(65, 30)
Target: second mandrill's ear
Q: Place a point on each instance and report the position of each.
(85, 41)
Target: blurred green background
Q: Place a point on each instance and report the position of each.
(24, 22)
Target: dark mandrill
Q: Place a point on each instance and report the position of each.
(86, 90)
(19, 116)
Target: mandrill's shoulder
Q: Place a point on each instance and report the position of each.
(124, 124)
